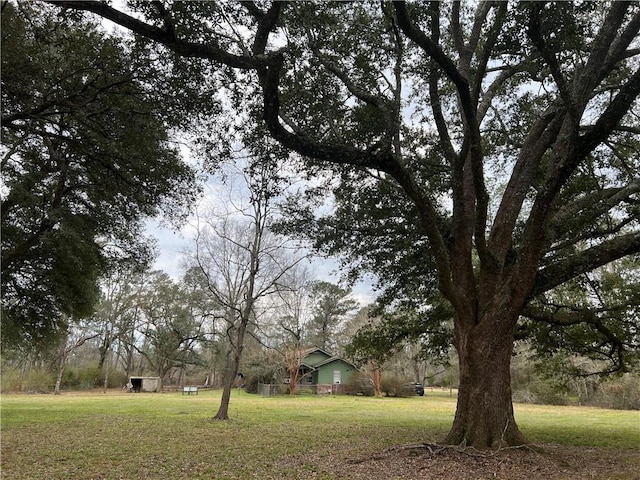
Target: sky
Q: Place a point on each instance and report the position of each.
(173, 244)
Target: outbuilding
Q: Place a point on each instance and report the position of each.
(144, 384)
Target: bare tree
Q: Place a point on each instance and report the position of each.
(293, 361)
(113, 317)
(73, 337)
(292, 314)
(172, 332)
(243, 263)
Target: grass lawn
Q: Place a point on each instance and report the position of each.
(169, 435)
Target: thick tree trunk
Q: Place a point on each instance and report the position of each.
(484, 416)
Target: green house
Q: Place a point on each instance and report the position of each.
(325, 371)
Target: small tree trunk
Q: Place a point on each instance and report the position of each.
(229, 378)
(293, 360)
(231, 372)
(376, 376)
(61, 365)
(484, 415)
(223, 410)
(106, 380)
(293, 383)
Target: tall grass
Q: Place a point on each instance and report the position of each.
(118, 435)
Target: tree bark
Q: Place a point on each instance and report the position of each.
(376, 377)
(484, 415)
(231, 372)
(62, 363)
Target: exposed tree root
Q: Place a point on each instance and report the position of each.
(435, 449)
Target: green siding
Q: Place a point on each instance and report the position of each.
(325, 372)
(315, 358)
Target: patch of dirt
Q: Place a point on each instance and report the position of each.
(428, 461)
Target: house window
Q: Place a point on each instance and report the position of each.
(336, 376)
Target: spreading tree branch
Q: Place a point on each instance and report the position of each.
(166, 36)
(585, 261)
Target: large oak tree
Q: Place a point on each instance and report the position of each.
(86, 158)
(504, 136)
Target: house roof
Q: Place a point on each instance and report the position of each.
(335, 359)
(330, 359)
(311, 350)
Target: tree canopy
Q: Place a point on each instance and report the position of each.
(489, 150)
(330, 304)
(86, 157)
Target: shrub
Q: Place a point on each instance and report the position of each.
(81, 378)
(619, 393)
(360, 384)
(540, 392)
(117, 379)
(255, 374)
(38, 381)
(393, 386)
(251, 383)
(11, 380)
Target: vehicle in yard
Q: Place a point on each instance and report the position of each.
(416, 388)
